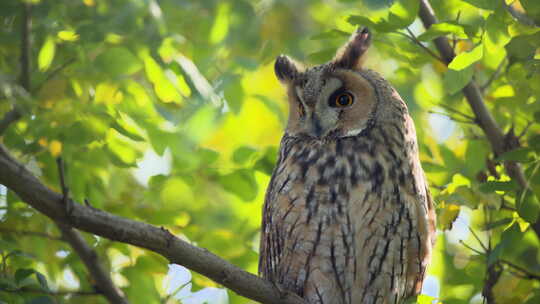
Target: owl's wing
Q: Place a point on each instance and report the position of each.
(425, 216)
(271, 242)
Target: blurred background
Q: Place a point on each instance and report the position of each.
(168, 112)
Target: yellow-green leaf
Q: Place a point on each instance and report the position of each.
(465, 59)
(46, 54)
(68, 35)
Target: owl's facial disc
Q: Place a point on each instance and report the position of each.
(337, 103)
(330, 99)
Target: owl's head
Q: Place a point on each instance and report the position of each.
(335, 99)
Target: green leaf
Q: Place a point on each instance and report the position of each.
(362, 20)
(241, 183)
(485, 4)
(492, 186)
(322, 56)
(126, 130)
(243, 154)
(22, 274)
(528, 207)
(455, 80)
(403, 12)
(234, 93)
(332, 34)
(441, 29)
(524, 46)
(46, 54)
(465, 59)
(118, 61)
(433, 167)
(496, 224)
(537, 116)
(518, 155)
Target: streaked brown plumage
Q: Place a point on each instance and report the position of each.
(347, 216)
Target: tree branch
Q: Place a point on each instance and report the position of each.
(90, 259)
(474, 97)
(18, 179)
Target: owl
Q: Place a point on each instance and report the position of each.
(348, 217)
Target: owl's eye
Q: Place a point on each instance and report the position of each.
(341, 100)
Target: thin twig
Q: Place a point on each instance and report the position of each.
(65, 190)
(478, 240)
(417, 42)
(452, 110)
(453, 118)
(524, 131)
(470, 248)
(53, 73)
(527, 273)
(493, 76)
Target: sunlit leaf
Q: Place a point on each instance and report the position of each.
(68, 36)
(46, 54)
(443, 28)
(447, 216)
(403, 12)
(465, 59)
(221, 23)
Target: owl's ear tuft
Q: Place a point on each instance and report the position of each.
(286, 69)
(351, 54)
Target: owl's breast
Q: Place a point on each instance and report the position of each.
(310, 193)
(341, 218)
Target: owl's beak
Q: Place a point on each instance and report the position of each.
(314, 127)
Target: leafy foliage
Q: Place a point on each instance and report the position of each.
(168, 112)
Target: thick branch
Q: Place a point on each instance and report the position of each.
(474, 97)
(18, 179)
(90, 259)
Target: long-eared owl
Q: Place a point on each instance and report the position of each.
(348, 217)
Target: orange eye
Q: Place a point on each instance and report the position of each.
(342, 100)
